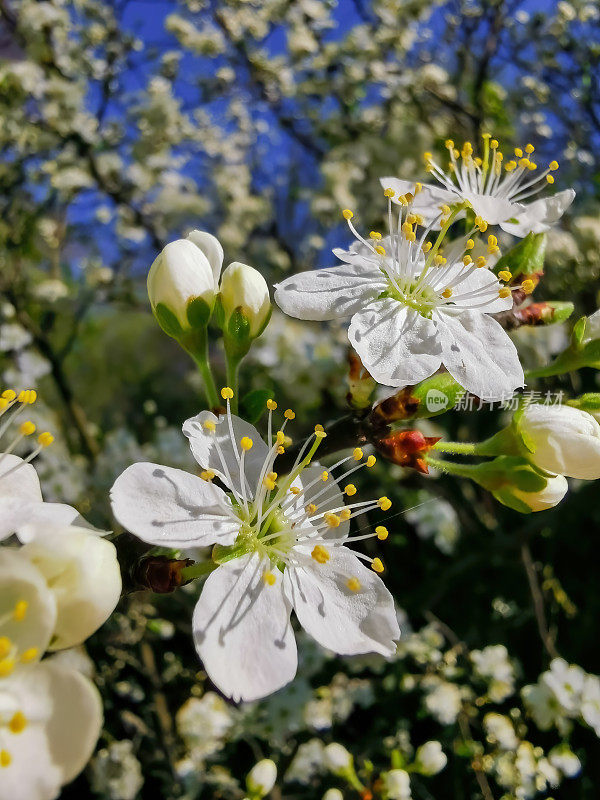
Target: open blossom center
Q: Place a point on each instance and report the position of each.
(12, 406)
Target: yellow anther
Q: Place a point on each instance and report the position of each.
(3, 403)
(320, 554)
(447, 293)
(420, 219)
(5, 758)
(246, 443)
(18, 722)
(427, 247)
(531, 166)
(518, 152)
(467, 148)
(438, 259)
(492, 240)
(384, 503)
(389, 192)
(5, 646)
(226, 393)
(347, 214)
(207, 475)
(382, 532)
(427, 156)
(375, 235)
(6, 667)
(320, 434)
(470, 244)
(280, 450)
(418, 188)
(311, 508)
(45, 439)
(9, 394)
(29, 655)
(380, 250)
(445, 209)
(494, 144)
(289, 414)
(480, 261)
(324, 475)
(449, 144)
(467, 260)
(410, 219)
(357, 454)
(370, 462)
(209, 425)
(505, 275)
(529, 148)
(528, 286)
(524, 162)
(479, 162)
(409, 197)
(553, 165)
(333, 520)
(280, 437)
(402, 199)
(27, 397)
(350, 489)
(271, 405)
(510, 166)
(318, 427)
(269, 484)
(377, 565)
(20, 610)
(295, 490)
(481, 224)
(549, 179)
(268, 578)
(26, 428)
(504, 292)
(353, 584)
(345, 514)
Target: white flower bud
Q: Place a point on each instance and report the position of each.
(397, 784)
(333, 794)
(244, 292)
(550, 496)
(336, 758)
(211, 247)
(562, 439)
(564, 759)
(261, 778)
(430, 758)
(182, 287)
(83, 575)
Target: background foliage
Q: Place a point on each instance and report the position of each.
(124, 125)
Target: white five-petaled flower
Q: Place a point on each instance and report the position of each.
(21, 499)
(494, 189)
(281, 547)
(413, 309)
(50, 715)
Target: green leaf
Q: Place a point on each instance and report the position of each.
(578, 332)
(526, 257)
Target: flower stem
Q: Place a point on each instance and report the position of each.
(457, 448)
(196, 344)
(198, 570)
(451, 468)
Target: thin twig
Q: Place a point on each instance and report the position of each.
(538, 602)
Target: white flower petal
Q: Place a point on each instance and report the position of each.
(427, 202)
(23, 482)
(21, 581)
(479, 354)
(340, 619)
(541, 215)
(16, 513)
(332, 293)
(64, 714)
(205, 451)
(493, 210)
(397, 345)
(465, 280)
(83, 574)
(242, 630)
(211, 248)
(170, 507)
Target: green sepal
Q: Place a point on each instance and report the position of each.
(238, 326)
(198, 312)
(562, 311)
(221, 553)
(590, 401)
(508, 499)
(507, 471)
(168, 321)
(526, 257)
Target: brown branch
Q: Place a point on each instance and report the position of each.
(538, 602)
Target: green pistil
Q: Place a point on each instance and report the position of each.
(423, 301)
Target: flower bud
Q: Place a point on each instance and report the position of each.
(562, 440)
(261, 778)
(83, 574)
(397, 784)
(182, 287)
(407, 449)
(245, 301)
(360, 383)
(336, 758)
(333, 794)
(430, 758)
(548, 497)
